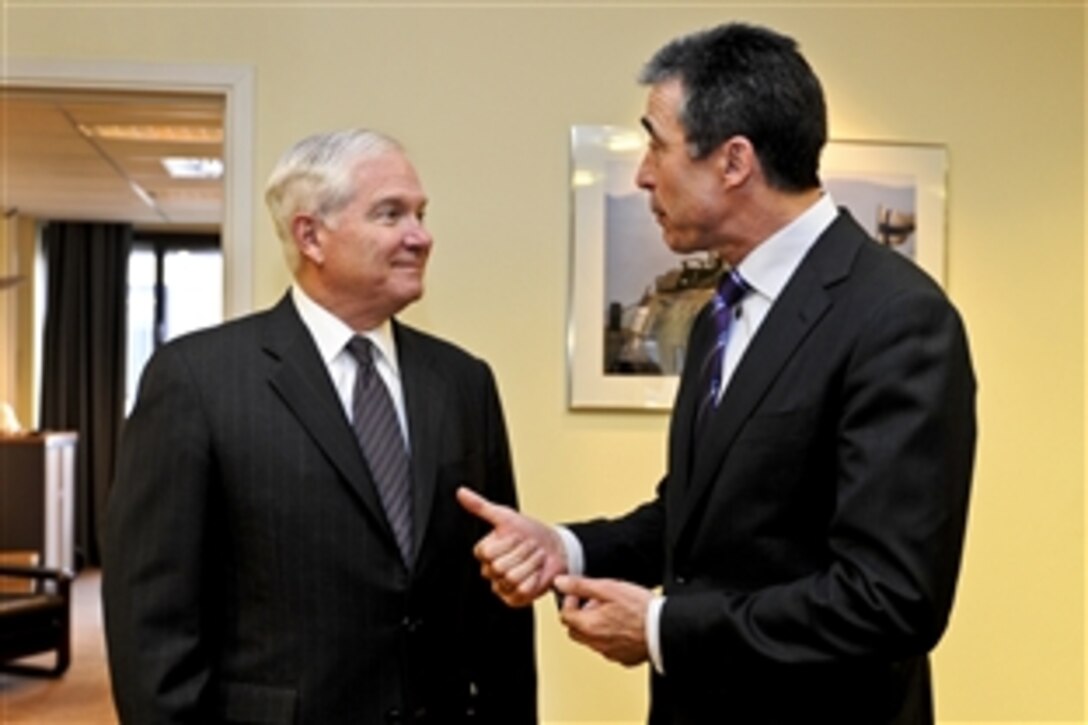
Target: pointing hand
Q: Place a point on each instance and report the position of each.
(521, 556)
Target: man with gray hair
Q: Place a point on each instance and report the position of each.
(282, 542)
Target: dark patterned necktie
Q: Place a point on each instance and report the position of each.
(731, 290)
(376, 427)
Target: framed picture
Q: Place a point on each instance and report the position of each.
(632, 300)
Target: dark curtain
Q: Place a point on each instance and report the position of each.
(83, 357)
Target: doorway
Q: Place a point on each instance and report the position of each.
(232, 88)
(235, 84)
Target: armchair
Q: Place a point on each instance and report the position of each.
(36, 621)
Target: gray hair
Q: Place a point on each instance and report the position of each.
(315, 177)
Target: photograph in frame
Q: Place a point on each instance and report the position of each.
(896, 191)
(632, 300)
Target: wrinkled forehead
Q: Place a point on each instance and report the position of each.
(664, 103)
(388, 174)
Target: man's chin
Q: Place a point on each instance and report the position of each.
(410, 294)
(407, 283)
(678, 244)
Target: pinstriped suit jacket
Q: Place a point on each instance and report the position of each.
(250, 574)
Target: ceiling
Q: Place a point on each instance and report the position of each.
(97, 156)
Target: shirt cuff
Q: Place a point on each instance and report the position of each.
(653, 632)
(576, 559)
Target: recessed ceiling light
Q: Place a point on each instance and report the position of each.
(180, 167)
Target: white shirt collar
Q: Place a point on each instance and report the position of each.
(331, 334)
(769, 266)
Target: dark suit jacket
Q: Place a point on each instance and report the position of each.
(250, 574)
(809, 544)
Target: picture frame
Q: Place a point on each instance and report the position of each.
(896, 191)
(632, 300)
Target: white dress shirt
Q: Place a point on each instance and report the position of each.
(331, 335)
(766, 269)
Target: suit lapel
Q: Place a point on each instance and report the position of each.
(682, 424)
(803, 302)
(425, 402)
(301, 380)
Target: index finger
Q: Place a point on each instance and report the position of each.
(480, 507)
(581, 587)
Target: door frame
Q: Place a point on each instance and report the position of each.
(235, 83)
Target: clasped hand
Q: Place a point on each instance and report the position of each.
(524, 558)
(606, 615)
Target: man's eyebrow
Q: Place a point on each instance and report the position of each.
(648, 125)
(398, 200)
(394, 197)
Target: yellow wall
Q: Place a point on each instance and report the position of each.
(8, 312)
(18, 239)
(484, 96)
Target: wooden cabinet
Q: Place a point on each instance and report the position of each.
(37, 496)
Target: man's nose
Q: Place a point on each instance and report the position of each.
(644, 178)
(418, 236)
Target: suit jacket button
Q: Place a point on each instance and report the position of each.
(420, 714)
(681, 580)
(393, 716)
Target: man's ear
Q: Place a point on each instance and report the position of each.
(304, 230)
(737, 160)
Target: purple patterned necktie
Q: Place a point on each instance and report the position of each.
(374, 421)
(731, 290)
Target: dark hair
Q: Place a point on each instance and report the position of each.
(753, 82)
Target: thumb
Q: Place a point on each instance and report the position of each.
(480, 507)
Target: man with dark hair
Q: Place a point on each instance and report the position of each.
(808, 530)
(282, 542)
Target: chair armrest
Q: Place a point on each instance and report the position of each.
(45, 613)
(62, 577)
